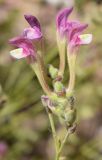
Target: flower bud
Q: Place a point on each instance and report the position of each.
(54, 98)
(58, 105)
(58, 87)
(53, 72)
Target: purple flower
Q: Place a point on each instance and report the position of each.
(74, 37)
(71, 30)
(33, 32)
(25, 41)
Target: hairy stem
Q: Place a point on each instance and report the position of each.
(53, 132)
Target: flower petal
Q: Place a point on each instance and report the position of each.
(24, 43)
(32, 33)
(18, 53)
(62, 17)
(85, 38)
(32, 20)
(21, 42)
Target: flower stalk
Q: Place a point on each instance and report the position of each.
(38, 69)
(62, 145)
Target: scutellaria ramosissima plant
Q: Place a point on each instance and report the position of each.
(60, 100)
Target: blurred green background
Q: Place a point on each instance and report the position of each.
(25, 132)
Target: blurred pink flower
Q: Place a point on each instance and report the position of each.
(3, 149)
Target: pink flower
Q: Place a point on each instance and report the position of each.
(74, 37)
(25, 41)
(71, 30)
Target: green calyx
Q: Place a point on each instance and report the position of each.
(61, 102)
(70, 116)
(62, 108)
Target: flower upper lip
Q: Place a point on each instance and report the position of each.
(34, 32)
(62, 17)
(32, 20)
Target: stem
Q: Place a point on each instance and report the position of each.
(53, 132)
(38, 69)
(63, 143)
(41, 57)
